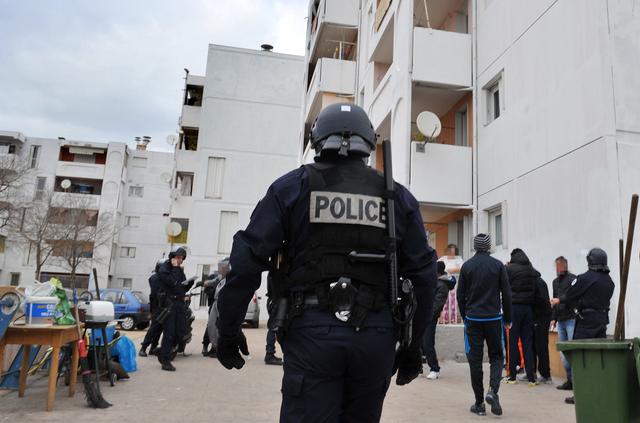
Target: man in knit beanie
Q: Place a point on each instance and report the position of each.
(484, 301)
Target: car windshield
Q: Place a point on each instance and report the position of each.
(141, 296)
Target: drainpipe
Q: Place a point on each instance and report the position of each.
(476, 103)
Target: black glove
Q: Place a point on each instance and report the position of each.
(227, 350)
(199, 284)
(408, 364)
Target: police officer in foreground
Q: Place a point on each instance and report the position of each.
(173, 286)
(590, 294)
(339, 343)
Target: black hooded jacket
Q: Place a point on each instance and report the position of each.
(522, 278)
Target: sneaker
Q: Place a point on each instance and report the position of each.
(272, 360)
(478, 409)
(493, 400)
(168, 366)
(424, 359)
(142, 352)
(511, 381)
(545, 380)
(566, 386)
(433, 375)
(522, 378)
(570, 400)
(532, 384)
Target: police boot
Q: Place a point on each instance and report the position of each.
(273, 360)
(154, 350)
(493, 400)
(166, 365)
(205, 350)
(478, 409)
(143, 351)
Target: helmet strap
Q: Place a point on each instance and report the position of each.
(345, 145)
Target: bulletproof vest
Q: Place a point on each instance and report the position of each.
(598, 295)
(347, 213)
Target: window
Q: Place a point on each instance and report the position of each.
(41, 183)
(494, 96)
(139, 162)
(132, 221)
(193, 95)
(496, 227)
(3, 240)
(126, 283)
(461, 132)
(128, 252)
(181, 238)
(35, 153)
(184, 183)
(189, 139)
(111, 296)
(136, 191)
(215, 177)
(228, 227)
(15, 279)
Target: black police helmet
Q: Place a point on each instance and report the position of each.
(178, 251)
(597, 260)
(343, 128)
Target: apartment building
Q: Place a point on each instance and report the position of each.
(238, 133)
(105, 181)
(540, 133)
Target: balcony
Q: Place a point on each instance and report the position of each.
(190, 116)
(334, 20)
(441, 58)
(331, 76)
(80, 170)
(442, 174)
(74, 200)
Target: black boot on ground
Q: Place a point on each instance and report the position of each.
(205, 351)
(212, 353)
(166, 365)
(273, 360)
(567, 386)
(493, 400)
(478, 409)
(570, 400)
(143, 351)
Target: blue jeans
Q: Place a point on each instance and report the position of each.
(565, 333)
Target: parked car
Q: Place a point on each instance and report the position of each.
(253, 312)
(131, 307)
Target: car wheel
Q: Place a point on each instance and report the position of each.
(142, 325)
(128, 323)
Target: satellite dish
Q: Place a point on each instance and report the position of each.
(165, 177)
(65, 184)
(429, 124)
(173, 229)
(172, 139)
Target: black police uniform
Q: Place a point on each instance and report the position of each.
(152, 336)
(331, 370)
(175, 324)
(591, 294)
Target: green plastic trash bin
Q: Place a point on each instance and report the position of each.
(606, 379)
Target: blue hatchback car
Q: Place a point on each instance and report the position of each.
(131, 307)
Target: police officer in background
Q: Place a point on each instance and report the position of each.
(338, 360)
(155, 328)
(591, 295)
(173, 285)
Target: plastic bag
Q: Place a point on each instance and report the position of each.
(62, 314)
(125, 350)
(46, 289)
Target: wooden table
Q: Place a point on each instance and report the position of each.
(56, 337)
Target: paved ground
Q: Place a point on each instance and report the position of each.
(203, 391)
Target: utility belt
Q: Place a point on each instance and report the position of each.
(592, 310)
(349, 301)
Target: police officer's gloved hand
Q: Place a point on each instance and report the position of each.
(229, 348)
(408, 364)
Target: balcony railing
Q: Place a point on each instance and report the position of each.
(441, 58)
(332, 18)
(330, 76)
(441, 174)
(74, 200)
(80, 170)
(190, 116)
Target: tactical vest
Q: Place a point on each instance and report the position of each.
(346, 213)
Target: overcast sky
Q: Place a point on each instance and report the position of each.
(113, 70)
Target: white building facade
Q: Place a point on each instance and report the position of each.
(238, 133)
(96, 177)
(540, 140)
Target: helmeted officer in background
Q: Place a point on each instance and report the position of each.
(338, 360)
(152, 336)
(174, 285)
(590, 294)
